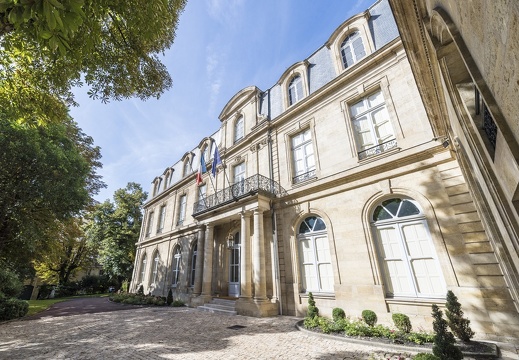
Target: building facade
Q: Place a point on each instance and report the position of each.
(333, 181)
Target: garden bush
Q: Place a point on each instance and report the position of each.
(13, 308)
(443, 347)
(178, 303)
(458, 324)
(10, 284)
(369, 317)
(337, 314)
(169, 299)
(137, 299)
(313, 311)
(402, 322)
(425, 356)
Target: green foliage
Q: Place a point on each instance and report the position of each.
(48, 177)
(419, 337)
(125, 285)
(169, 299)
(50, 46)
(443, 347)
(369, 317)
(113, 230)
(425, 356)
(178, 303)
(337, 314)
(313, 311)
(138, 299)
(10, 284)
(402, 322)
(311, 322)
(13, 309)
(458, 324)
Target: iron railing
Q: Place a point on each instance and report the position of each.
(247, 187)
(377, 149)
(300, 178)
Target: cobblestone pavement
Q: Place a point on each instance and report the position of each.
(171, 333)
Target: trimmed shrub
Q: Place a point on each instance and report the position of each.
(338, 314)
(313, 311)
(369, 317)
(402, 322)
(459, 325)
(13, 309)
(425, 356)
(443, 340)
(10, 284)
(169, 299)
(178, 303)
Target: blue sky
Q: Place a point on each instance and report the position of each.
(221, 47)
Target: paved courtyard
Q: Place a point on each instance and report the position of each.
(170, 333)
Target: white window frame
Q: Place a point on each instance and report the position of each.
(404, 255)
(155, 268)
(308, 169)
(348, 44)
(162, 219)
(175, 266)
(149, 227)
(315, 263)
(380, 143)
(142, 273)
(295, 90)
(182, 203)
(239, 129)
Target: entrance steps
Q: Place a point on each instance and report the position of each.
(220, 306)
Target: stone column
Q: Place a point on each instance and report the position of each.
(200, 249)
(260, 285)
(208, 261)
(245, 269)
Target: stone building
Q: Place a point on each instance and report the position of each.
(334, 181)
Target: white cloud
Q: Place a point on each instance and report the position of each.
(226, 12)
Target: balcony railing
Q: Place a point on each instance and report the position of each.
(378, 149)
(303, 177)
(247, 187)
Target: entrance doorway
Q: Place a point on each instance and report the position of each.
(234, 267)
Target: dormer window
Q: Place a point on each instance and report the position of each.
(352, 49)
(187, 167)
(238, 129)
(295, 90)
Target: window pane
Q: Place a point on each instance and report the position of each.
(375, 99)
(398, 277)
(408, 209)
(303, 228)
(357, 108)
(319, 225)
(427, 277)
(347, 57)
(389, 240)
(381, 214)
(417, 240)
(322, 249)
(309, 278)
(326, 277)
(358, 48)
(392, 205)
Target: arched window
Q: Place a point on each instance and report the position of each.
(176, 266)
(193, 265)
(238, 129)
(187, 167)
(352, 49)
(314, 254)
(295, 90)
(407, 255)
(143, 269)
(155, 268)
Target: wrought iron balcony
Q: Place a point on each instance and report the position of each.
(253, 185)
(378, 149)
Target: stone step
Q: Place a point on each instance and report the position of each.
(220, 306)
(211, 309)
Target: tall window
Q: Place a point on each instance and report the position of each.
(202, 192)
(182, 210)
(150, 224)
(303, 156)
(238, 187)
(295, 90)
(315, 260)
(162, 217)
(238, 129)
(155, 269)
(143, 269)
(372, 127)
(352, 49)
(408, 258)
(187, 167)
(193, 265)
(176, 266)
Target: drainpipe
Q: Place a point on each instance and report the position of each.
(274, 226)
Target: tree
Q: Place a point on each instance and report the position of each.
(443, 347)
(47, 175)
(113, 46)
(114, 228)
(64, 253)
(458, 324)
